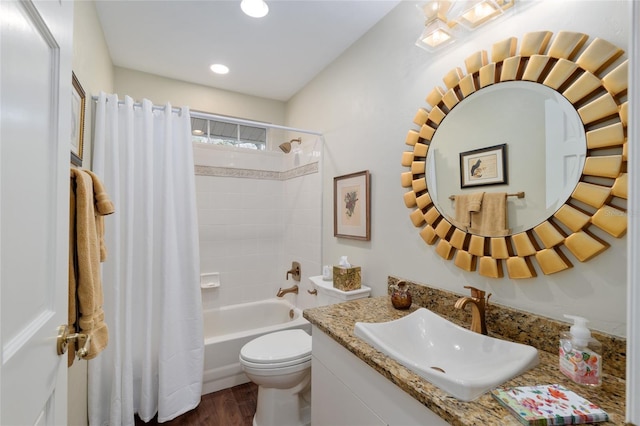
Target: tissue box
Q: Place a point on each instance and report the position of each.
(346, 279)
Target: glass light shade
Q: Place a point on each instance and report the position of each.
(435, 9)
(473, 13)
(435, 35)
(254, 8)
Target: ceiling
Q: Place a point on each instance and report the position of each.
(271, 57)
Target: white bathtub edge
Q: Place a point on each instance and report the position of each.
(225, 377)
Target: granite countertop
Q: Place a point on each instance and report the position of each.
(338, 321)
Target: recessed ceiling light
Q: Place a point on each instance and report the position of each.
(197, 132)
(219, 68)
(254, 8)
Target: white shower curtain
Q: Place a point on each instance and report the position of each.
(154, 359)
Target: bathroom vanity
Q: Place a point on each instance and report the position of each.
(353, 383)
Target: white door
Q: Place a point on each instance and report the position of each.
(35, 129)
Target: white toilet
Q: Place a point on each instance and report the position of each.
(280, 364)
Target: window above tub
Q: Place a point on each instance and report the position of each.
(228, 133)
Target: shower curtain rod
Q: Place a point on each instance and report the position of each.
(139, 105)
(208, 116)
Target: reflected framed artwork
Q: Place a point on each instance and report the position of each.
(484, 166)
(352, 206)
(77, 121)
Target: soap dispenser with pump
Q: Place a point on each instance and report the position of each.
(580, 354)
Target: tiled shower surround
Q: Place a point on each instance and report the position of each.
(257, 212)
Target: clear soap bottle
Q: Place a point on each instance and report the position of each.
(580, 354)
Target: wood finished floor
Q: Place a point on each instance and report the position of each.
(229, 407)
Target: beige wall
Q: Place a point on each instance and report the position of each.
(91, 64)
(160, 90)
(365, 101)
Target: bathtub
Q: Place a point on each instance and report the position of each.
(229, 328)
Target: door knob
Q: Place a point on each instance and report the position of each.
(64, 338)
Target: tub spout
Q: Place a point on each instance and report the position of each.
(283, 291)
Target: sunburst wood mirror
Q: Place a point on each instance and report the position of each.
(595, 85)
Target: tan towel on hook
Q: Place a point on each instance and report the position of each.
(465, 205)
(88, 204)
(103, 207)
(491, 220)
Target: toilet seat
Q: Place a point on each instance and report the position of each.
(274, 365)
(276, 350)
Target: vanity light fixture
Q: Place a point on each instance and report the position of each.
(473, 13)
(444, 18)
(437, 32)
(219, 69)
(254, 8)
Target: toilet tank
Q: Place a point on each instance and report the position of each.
(329, 295)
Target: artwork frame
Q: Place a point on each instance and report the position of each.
(76, 140)
(352, 206)
(494, 171)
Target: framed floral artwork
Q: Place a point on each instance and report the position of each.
(352, 206)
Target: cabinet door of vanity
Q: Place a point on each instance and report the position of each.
(348, 392)
(334, 404)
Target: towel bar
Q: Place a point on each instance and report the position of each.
(515, 194)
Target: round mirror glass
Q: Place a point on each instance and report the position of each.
(545, 149)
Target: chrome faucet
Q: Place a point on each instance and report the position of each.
(478, 305)
(283, 291)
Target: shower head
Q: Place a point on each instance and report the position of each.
(286, 146)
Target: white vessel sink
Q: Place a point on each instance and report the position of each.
(462, 363)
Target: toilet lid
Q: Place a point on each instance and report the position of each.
(281, 346)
